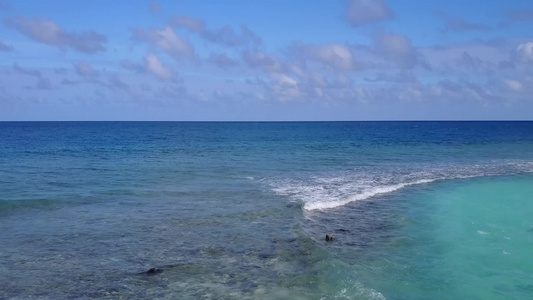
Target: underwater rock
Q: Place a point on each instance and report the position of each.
(329, 238)
(154, 271)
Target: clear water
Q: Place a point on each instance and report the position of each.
(418, 210)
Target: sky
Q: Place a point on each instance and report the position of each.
(266, 60)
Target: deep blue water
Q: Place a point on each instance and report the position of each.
(237, 210)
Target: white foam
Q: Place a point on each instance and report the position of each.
(333, 190)
(482, 232)
(326, 193)
(319, 205)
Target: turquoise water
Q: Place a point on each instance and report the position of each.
(418, 210)
(469, 239)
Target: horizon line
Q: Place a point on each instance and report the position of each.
(277, 121)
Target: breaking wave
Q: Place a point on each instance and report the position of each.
(337, 189)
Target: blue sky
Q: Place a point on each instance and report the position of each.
(266, 60)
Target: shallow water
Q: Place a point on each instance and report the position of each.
(418, 210)
(462, 239)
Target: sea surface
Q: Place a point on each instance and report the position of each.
(240, 210)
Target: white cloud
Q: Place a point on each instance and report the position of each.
(473, 63)
(224, 36)
(513, 84)
(342, 81)
(401, 77)
(155, 7)
(19, 69)
(336, 55)
(285, 87)
(222, 60)
(117, 83)
(192, 24)
(266, 62)
(366, 11)
(156, 67)
(85, 69)
(524, 52)
(129, 65)
(227, 37)
(472, 56)
(396, 48)
(5, 47)
(284, 80)
(316, 80)
(43, 83)
(447, 89)
(521, 15)
(48, 32)
(169, 41)
(333, 56)
(458, 24)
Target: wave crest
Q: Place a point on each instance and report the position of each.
(334, 190)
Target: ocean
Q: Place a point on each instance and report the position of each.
(241, 210)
